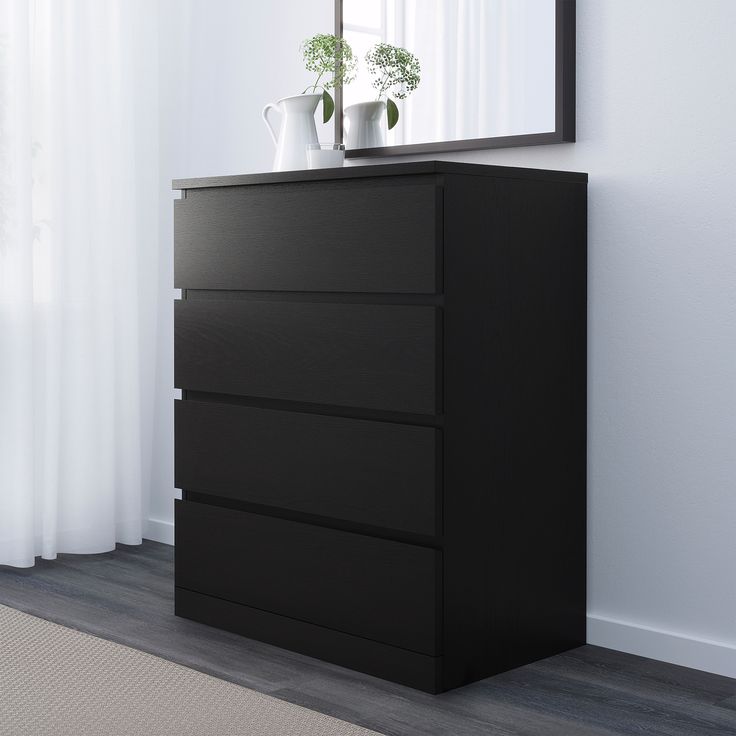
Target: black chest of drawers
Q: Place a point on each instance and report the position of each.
(382, 437)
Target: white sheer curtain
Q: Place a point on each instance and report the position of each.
(78, 261)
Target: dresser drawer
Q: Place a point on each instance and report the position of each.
(363, 355)
(376, 473)
(359, 236)
(375, 588)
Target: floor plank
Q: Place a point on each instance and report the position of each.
(128, 596)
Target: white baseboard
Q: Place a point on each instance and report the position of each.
(159, 531)
(667, 646)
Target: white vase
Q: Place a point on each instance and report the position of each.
(365, 125)
(295, 132)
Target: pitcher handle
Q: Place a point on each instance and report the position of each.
(271, 129)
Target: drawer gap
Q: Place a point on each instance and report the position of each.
(257, 402)
(317, 296)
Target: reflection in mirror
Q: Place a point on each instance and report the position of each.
(487, 66)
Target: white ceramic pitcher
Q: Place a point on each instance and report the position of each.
(365, 124)
(297, 129)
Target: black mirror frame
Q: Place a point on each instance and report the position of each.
(564, 100)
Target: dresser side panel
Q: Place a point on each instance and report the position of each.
(515, 423)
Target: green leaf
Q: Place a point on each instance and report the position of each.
(328, 106)
(392, 113)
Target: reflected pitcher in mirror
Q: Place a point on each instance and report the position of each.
(448, 75)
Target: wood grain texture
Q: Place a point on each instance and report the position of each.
(366, 355)
(375, 588)
(377, 473)
(375, 235)
(128, 596)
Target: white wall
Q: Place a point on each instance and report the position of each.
(657, 134)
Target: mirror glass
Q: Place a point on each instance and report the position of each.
(487, 66)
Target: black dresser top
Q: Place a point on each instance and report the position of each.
(360, 172)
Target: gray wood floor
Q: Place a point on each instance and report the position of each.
(127, 596)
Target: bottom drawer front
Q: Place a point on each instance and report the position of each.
(375, 588)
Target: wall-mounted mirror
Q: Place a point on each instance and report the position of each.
(493, 73)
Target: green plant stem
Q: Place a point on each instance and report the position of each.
(314, 86)
(382, 88)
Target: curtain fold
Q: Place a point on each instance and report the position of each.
(78, 261)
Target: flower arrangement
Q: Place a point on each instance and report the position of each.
(396, 73)
(331, 56)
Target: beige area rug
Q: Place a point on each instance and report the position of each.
(54, 680)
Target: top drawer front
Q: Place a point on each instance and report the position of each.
(379, 235)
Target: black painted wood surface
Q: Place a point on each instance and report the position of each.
(382, 474)
(493, 366)
(380, 171)
(364, 355)
(127, 596)
(353, 236)
(374, 588)
(515, 424)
